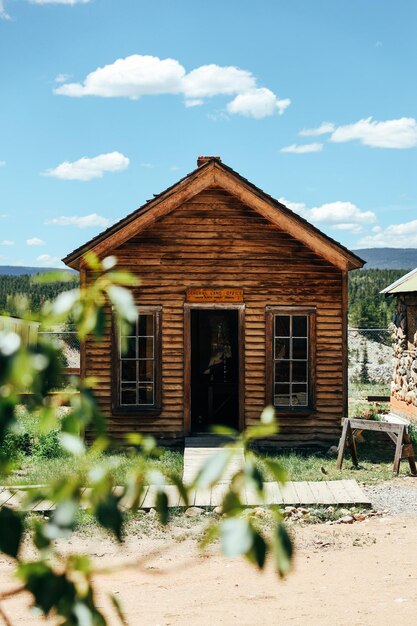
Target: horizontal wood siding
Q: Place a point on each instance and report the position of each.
(214, 240)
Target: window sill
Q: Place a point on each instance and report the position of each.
(136, 410)
(289, 412)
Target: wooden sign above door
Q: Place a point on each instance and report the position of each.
(214, 294)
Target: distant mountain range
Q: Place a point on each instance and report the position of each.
(388, 258)
(376, 258)
(18, 270)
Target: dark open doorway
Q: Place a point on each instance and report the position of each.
(214, 368)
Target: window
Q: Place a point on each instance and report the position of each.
(289, 370)
(138, 364)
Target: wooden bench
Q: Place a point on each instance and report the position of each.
(396, 431)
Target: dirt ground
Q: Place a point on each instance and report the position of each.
(358, 574)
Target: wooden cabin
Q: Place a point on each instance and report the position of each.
(404, 381)
(242, 304)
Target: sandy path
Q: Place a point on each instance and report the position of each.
(355, 575)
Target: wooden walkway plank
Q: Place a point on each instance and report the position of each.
(355, 492)
(339, 492)
(272, 494)
(217, 494)
(202, 497)
(288, 493)
(321, 492)
(304, 493)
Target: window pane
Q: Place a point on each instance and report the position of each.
(145, 324)
(282, 348)
(145, 394)
(128, 394)
(299, 348)
(146, 371)
(299, 395)
(299, 326)
(282, 395)
(128, 370)
(282, 326)
(282, 372)
(130, 329)
(299, 372)
(130, 348)
(145, 347)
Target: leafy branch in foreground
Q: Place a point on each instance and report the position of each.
(63, 585)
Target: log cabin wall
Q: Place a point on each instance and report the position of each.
(215, 240)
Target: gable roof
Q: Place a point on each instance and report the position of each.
(405, 284)
(214, 173)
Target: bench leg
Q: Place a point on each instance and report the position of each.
(342, 445)
(398, 450)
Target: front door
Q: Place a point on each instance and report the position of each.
(214, 368)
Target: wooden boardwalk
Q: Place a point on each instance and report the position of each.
(303, 493)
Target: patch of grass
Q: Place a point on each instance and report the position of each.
(36, 470)
(317, 466)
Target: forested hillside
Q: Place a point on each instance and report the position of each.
(36, 293)
(367, 308)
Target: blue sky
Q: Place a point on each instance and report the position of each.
(106, 102)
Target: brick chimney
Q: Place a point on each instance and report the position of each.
(203, 159)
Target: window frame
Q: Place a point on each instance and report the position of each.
(142, 409)
(310, 313)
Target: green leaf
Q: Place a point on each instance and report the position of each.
(118, 608)
(213, 468)
(253, 475)
(261, 431)
(161, 506)
(236, 536)
(231, 503)
(283, 549)
(11, 531)
(48, 588)
(225, 431)
(257, 554)
(109, 515)
(268, 415)
(39, 538)
(210, 534)
(277, 470)
(179, 485)
(123, 301)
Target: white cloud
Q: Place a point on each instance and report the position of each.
(394, 236)
(195, 102)
(7, 242)
(143, 75)
(84, 221)
(258, 103)
(215, 80)
(303, 149)
(49, 261)
(68, 2)
(147, 166)
(35, 241)
(338, 215)
(89, 168)
(2, 163)
(135, 76)
(397, 133)
(62, 78)
(3, 215)
(3, 13)
(323, 129)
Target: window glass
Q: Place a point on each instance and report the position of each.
(137, 363)
(290, 355)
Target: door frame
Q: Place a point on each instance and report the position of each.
(240, 308)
